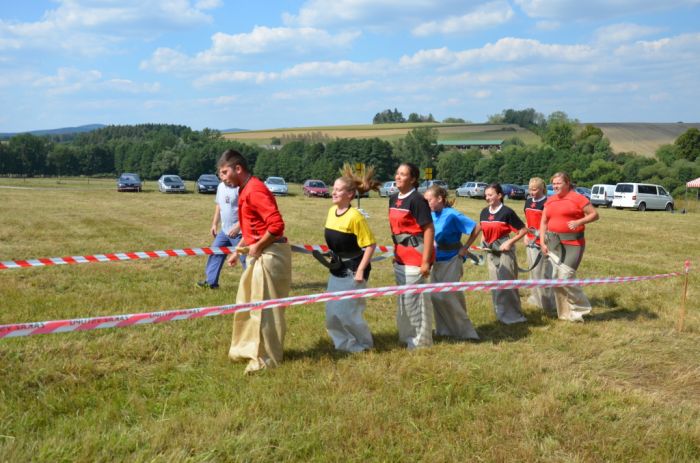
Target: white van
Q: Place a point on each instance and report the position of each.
(642, 196)
(602, 195)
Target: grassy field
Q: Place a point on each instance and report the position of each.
(623, 386)
(393, 132)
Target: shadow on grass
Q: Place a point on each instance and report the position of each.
(316, 286)
(324, 349)
(607, 308)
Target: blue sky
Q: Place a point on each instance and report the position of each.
(241, 64)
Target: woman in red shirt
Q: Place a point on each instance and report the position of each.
(563, 223)
(413, 233)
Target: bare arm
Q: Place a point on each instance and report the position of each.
(472, 237)
(508, 244)
(366, 258)
(543, 232)
(428, 249)
(215, 220)
(591, 215)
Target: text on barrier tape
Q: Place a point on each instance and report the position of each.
(118, 321)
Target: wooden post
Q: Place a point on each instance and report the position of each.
(684, 298)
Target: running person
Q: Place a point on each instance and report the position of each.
(496, 221)
(563, 223)
(413, 234)
(450, 308)
(534, 205)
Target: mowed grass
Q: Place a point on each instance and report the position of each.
(623, 386)
(392, 132)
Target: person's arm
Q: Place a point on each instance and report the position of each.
(215, 220)
(233, 258)
(256, 249)
(590, 215)
(472, 237)
(235, 230)
(366, 258)
(543, 232)
(508, 244)
(428, 249)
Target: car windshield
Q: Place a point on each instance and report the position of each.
(129, 178)
(317, 184)
(209, 178)
(275, 181)
(388, 184)
(171, 180)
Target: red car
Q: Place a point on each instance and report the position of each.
(315, 188)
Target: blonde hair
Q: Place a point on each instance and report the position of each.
(438, 191)
(361, 182)
(536, 182)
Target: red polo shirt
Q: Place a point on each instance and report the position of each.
(560, 211)
(258, 212)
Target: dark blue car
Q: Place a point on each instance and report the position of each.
(511, 191)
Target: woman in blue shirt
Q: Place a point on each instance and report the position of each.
(450, 308)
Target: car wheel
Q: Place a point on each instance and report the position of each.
(669, 207)
(642, 207)
(596, 206)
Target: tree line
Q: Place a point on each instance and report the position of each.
(155, 149)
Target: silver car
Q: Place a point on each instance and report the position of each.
(171, 184)
(277, 186)
(472, 189)
(388, 189)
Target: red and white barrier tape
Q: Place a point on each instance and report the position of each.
(114, 321)
(120, 256)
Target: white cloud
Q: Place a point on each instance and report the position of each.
(235, 76)
(91, 27)
(572, 10)
(223, 100)
(483, 17)
(683, 48)
(227, 48)
(326, 91)
(370, 13)
(482, 94)
(547, 25)
(623, 32)
(504, 50)
(334, 69)
(72, 80)
(208, 4)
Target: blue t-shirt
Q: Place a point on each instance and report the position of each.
(449, 227)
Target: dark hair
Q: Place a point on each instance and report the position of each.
(233, 158)
(413, 170)
(496, 186)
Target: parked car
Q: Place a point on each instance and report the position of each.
(387, 189)
(277, 186)
(171, 184)
(129, 182)
(642, 196)
(511, 191)
(582, 190)
(602, 195)
(315, 188)
(472, 189)
(207, 183)
(428, 183)
(550, 190)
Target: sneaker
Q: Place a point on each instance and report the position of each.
(206, 285)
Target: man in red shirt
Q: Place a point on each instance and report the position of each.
(258, 335)
(563, 222)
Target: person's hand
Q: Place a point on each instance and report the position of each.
(505, 247)
(213, 230)
(526, 240)
(253, 250)
(232, 233)
(359, 276)
(573, 224)
(425, 269)
(232, 259)
(543, 249)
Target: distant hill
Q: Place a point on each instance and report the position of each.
(642, 138)
(61, 131)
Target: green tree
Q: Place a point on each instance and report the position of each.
(668, 154)
(30, 153)
(559, 134)
(419, 146)
(688, 144)
(456, 166)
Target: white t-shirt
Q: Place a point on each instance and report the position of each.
(227, 199)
